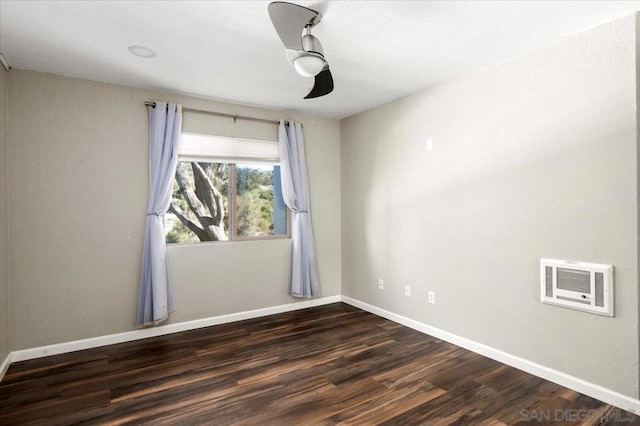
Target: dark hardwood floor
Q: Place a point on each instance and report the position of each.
(324, 365)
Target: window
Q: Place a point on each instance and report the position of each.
(226, 189)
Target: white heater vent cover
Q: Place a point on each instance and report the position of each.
(578, 285)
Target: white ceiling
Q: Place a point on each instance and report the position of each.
(228, 50)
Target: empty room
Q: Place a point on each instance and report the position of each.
(319, 212)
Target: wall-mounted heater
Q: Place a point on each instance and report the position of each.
(577, 285)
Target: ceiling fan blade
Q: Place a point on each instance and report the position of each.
(323, 84)
(289, 20)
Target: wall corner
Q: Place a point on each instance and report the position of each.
(4, 245)
(637, 214)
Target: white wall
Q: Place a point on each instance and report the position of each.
(4, 272)
(534, 157)
(78, 185)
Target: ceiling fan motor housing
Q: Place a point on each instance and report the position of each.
(311, 44)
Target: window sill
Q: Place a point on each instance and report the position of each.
(237, 240)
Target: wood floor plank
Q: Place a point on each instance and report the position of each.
(333, 364)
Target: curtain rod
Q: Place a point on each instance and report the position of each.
(222, 114)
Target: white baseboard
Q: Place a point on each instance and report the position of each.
(144, 333)
(5, 366)
(595, 391)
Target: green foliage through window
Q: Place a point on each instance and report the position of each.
(202, 202)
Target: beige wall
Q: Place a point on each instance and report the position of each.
(638, 167)
(77, 201)
(534, 157)
(4, 244)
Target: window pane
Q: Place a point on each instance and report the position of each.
(260, 209)
(200, 203)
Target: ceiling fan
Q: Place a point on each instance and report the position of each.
(304, 52)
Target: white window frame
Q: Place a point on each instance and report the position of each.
(229, 150)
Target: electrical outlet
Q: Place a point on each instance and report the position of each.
(380, 284)
(432, 297)
(407, 290)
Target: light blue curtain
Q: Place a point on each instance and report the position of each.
(295, 191)
(155, 301)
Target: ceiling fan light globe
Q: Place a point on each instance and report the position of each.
(308, 65)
